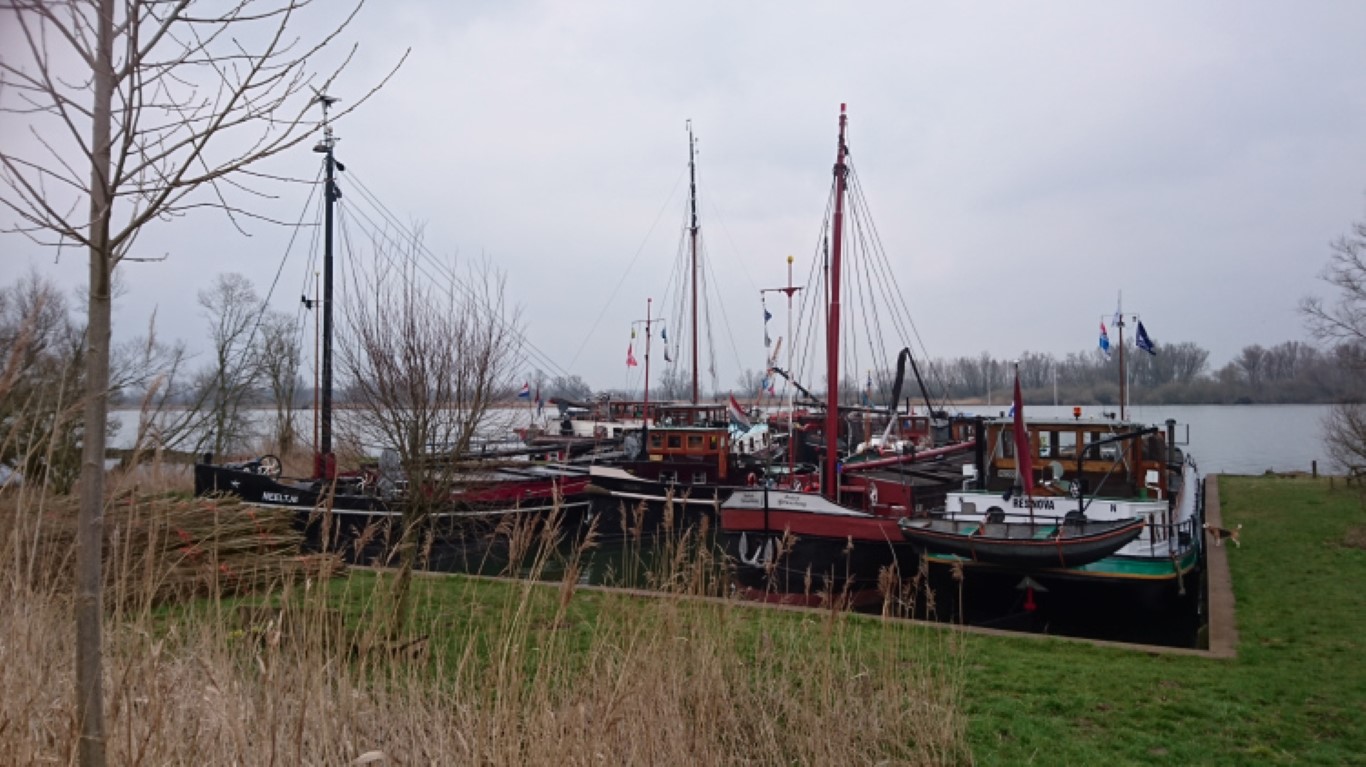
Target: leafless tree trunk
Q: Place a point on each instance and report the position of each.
(1344, 321)
(424, 367)
(280, 359)
(125, 102)
(232, 309)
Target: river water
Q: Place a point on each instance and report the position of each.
(1224, 439)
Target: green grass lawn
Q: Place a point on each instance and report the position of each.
(1296, 693)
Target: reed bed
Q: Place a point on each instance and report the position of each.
(308, 668)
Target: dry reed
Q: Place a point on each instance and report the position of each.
(522, 673)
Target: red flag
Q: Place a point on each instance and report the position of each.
(1024, 458)
(630, 355)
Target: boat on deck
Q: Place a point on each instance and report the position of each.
(1103, 473)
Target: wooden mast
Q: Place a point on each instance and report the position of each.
(830, 479)
(692, 236)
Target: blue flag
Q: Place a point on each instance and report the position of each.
(1104, 341)
(1143, 342)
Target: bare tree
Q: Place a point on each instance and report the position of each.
(131, 108)
(674, 384)
(232, 309)
(279, 357)
(425, 367)
(1344, 322)
(40, 384)
(751, 382)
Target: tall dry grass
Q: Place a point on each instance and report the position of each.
(307, 671)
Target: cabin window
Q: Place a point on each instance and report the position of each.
(700, 478)
(1066, 445)
(616, 432)
(695, 441)
(675, 440)
(656, 441)
(713, 442)
(1048, 444)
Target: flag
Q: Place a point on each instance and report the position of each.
(525, 393)
(1142, 341)
(767, 316)
(1024, 459)
(1104, 341)
(737, 413)
(631, 355)
(664, 334)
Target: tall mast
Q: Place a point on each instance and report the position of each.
(1123, 376)
(692, 236)
(829, 483)
(324, 466)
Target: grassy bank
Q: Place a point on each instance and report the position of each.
(1295, 694)
(519, 673)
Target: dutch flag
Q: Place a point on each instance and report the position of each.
(525, 393)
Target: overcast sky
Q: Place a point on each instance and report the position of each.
(1024, 163)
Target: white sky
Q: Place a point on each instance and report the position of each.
(1024, 163)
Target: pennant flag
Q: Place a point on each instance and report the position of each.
(1024, 459)
(631, 355)
(767, 314)
(1104, 341)
(1142, 341)
(664, 334)
(525, 393)
(667, 358)
(737, 413)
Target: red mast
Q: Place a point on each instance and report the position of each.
(830, 480)
(692, 233)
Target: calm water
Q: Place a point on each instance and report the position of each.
(1224, 439)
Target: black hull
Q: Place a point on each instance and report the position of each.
(364, 529)
(628, 507)
(1165, 611)
(813, 569)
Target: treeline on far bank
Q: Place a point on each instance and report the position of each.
(1179, 373)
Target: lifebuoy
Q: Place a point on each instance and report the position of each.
(797, 484)
(600, 432)
(751, 480)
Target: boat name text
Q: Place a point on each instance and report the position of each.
(1039, 503)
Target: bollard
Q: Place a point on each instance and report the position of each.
(1314, 469)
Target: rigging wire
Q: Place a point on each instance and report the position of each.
(419, 254)
(419, 250)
